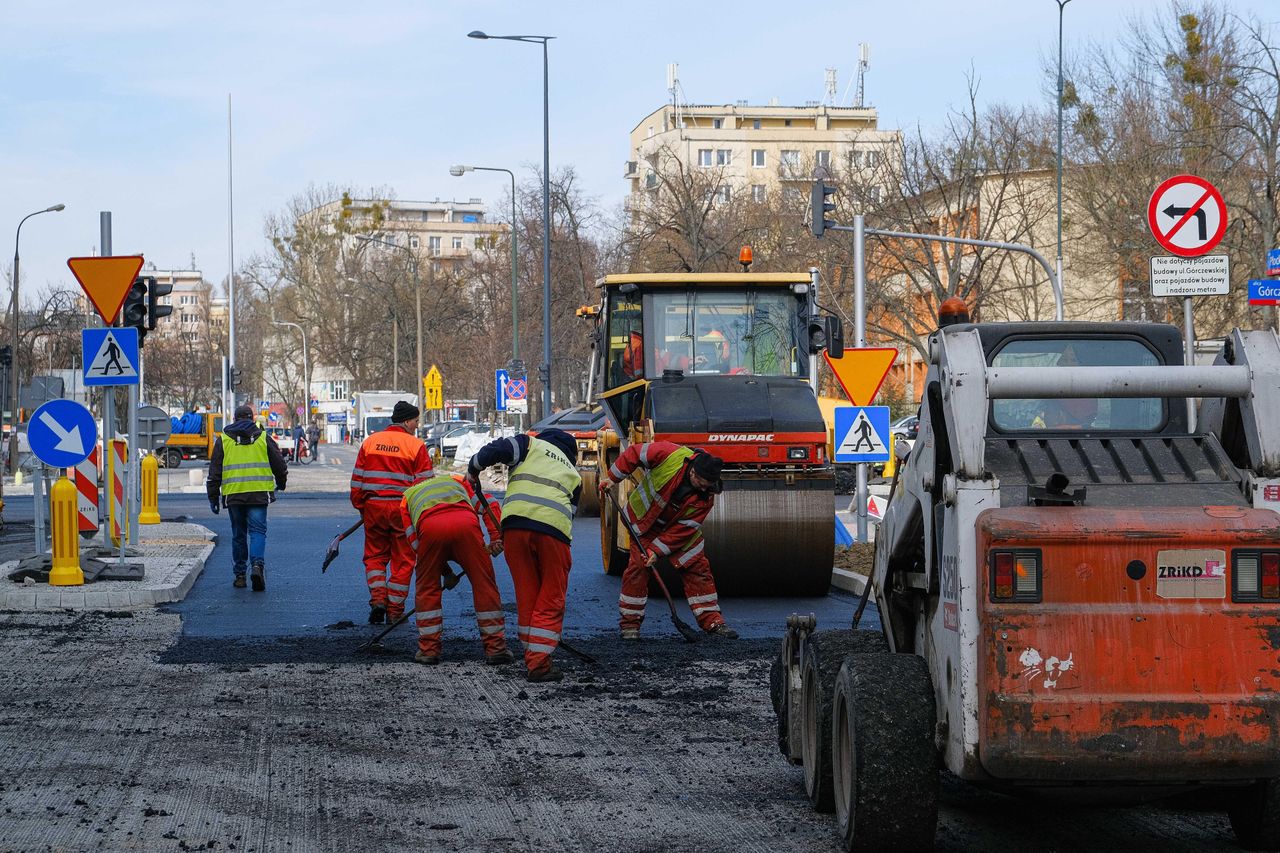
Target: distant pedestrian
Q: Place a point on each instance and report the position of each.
(313, 439)
(245, 472)
(298, 436)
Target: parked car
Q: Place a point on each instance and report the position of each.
(432, 433)
(283, 437)
(907, 428)
(449, 443)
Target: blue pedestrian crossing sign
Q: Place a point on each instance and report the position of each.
(862, 434)
(62, 432)
(110, 356)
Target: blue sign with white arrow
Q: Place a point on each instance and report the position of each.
(500, 379)
(110, 356)
(62, 433)
(1273, 262)
(862, 434)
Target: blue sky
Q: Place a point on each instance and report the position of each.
(121, 106)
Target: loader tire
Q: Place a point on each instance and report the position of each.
(884, 756)
(778, 695)
(1255, 815)
(823, 654)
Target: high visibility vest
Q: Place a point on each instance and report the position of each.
(654, 482)
(246, 467)
(541, 487)
(440, 489)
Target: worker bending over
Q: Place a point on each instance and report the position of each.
(667, 507)
(389, 462)
(537, 523)
(439, 518)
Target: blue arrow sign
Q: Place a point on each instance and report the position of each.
(62, 433)
(500, 379)
(110, 356)
(862, 434)
(1264, 291)
(1273, 262)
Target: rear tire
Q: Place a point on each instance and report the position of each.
(170, 457)
(884, 757)
(1255, 815)
(823, 654)
(778, 695)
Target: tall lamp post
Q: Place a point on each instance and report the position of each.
(14, 374)
(1062, 4)
(459, 171)
(306, 373)
(545, 370)
(417, 296)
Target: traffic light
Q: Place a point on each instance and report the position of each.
(234, 376)
(826, 333)
(6, 356)
(134, 312)
(819, 207)
(154, 309)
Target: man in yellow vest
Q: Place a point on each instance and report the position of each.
(537, 525)
(245, 471)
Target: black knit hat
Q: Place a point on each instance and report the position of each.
(243, 413)
(567, 444)
(404, 412)
(706, 466)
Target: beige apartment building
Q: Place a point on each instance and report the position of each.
(441, 231)
(759, 150)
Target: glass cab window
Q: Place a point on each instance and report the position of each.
(1088, 413)
(728, 332)
(625, 354)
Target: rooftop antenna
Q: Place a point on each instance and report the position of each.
(678, 100)
(831, 87)
(864, 62)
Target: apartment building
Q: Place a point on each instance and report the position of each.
(443, 231)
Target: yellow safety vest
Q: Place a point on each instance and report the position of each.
(246, 467)
(440, 489)
(541, 487)
(654, 481)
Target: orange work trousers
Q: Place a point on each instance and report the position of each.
(699, 589)
(452, 532)
(386, 545)
(540, 568)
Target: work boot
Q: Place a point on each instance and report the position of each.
(630, 634)
(393, 615)
(723, 630)
(424, 658)
(258, 576)
(240, 582)
(377, 614)
(548, 674)
(499, 658)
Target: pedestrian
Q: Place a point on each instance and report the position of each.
(440, 519)
(537, 526)
(388, 463)
(313, 440)
(298, 435)
(677, 489)
(245, 472)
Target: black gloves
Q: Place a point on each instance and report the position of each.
(214, 507)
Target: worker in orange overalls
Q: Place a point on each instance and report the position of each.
(667, 507)
(439, 519)
(389, 462)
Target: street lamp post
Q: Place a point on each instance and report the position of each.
(417, 295)
(1062, 4)
(545, 370)
(14, 374)
(306, 373)
(459, 171)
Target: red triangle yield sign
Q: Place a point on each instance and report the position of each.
(106, 281)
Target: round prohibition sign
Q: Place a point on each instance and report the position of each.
(1187, 216)
(517, 389)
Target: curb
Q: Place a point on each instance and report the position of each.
(848, 581)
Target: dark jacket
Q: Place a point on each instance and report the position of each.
(511, 452)
(245, 432)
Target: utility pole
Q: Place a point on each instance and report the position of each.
(1061, 6)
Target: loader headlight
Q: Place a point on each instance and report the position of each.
(797, 453)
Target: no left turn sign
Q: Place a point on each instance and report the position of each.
(1187, 215)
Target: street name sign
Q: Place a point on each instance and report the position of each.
(62, 433)
(106, 281)
(861, 371)
(1209, 275)
(1264, 291)
(862, 433)
(1273, 262)
(1187, 216)
(110, 356)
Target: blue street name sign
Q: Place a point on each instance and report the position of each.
(1273, 262)
(62, 432)
(500, 379)
(862, 434)
(110, 356)
(1264, 291)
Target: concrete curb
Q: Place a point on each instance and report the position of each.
(845, 580)
(174, 555)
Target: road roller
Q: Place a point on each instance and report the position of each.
(726, 362)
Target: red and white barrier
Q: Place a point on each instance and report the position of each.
(116, 468)
(85, 477)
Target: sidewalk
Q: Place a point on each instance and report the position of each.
(173, 555)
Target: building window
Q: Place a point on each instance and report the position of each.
(822, 159)
(723, 194)
(650, 133)
(479, 243)
(717, 123)
(855, 159)
(433, 245)
(457, 242)
(651, 181)
(792, 196)
(724, 157)
(790, 162)
(413, 241)
(704, 156)
(786, 122)
(755, 125)
(875, 195)
(757, 193)
(757, 158)
(871, 159)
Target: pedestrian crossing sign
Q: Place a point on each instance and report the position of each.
(110, 356)
(862, 434)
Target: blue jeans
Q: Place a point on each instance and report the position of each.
(248, 535)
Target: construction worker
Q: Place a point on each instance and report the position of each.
(537, 524)
(439, 516)
(246, 470)
(667, 507)
(389, 462)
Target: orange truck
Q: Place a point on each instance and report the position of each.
(191, 445)
(1078, 582)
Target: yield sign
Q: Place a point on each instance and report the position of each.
(1187, 216)
(861, 372)
(106, 281)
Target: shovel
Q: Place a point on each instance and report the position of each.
(332, 553)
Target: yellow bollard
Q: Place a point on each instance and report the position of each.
(150, 513)
(892, 465)
(64, 522)
(17, 477)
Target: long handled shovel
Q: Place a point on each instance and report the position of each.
(332, 553)
(685, 630)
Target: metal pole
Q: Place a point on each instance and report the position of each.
(1191, 359)
(229, 401)
(1061, 5)
(133, 482)
(860, 340)
(417, 307)
(13, 417)
(515, 293)
(395, 351)
(108, 406)
(546, 236)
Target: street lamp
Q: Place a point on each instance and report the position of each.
(458, 172)
(306, 374)
(545, 370)
(13, 370)
(1062, 4)
(417, 294)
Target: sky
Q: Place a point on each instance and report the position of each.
(122, 106)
